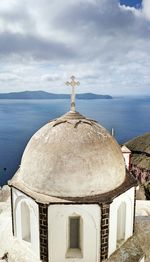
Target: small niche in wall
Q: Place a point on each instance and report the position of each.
(75, 236)
(121, 224)
(25, 222)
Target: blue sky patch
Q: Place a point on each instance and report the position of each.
(132, 3)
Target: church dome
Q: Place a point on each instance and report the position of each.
(72, 156)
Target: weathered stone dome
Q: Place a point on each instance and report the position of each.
(72, 156)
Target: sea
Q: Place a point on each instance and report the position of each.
(20, 119)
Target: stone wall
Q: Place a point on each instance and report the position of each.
(141, 174)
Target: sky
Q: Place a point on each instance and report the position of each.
(104, 43)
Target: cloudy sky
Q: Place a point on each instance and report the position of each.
(104, 43)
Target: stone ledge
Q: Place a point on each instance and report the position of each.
(130, 251)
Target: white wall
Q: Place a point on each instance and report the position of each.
(58, 227)
(128, 198)
(18, 199)
(142, 260)
(127, 159)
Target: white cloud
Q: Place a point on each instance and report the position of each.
(146, 8)
(8, 77)
(104, 44)
(51, 77)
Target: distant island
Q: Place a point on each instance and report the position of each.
(46, 95)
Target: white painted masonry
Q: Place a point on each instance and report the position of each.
(127, 159)
(19, 199)
(142, 260)
(58, 216)
(127, 155)
(126, 198)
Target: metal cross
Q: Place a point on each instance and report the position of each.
(73, 83)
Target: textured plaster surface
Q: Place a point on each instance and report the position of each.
(72, 156)
(129, 182)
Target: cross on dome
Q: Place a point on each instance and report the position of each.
(73, 83)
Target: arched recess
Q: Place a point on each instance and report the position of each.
(128, 199)
(121, 223)
(25, 222)
(26, 209)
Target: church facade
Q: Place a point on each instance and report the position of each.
(73, 199)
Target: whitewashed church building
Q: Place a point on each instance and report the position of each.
(73, 198)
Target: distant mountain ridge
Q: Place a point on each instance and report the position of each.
(46, 95)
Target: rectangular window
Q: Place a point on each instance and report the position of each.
(74, 237)
(74, 232)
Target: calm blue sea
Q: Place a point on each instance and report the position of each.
(19, 119)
